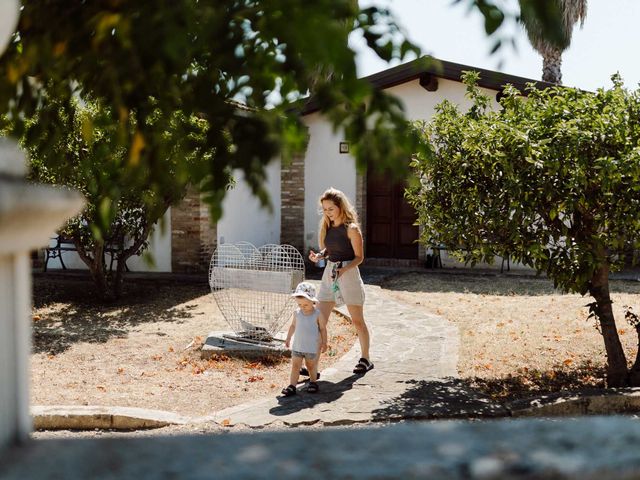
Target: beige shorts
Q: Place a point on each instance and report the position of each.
(350, 284)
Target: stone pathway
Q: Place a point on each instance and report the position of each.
(410, 349)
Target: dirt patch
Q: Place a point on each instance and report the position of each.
(144, 349)
(519, 336)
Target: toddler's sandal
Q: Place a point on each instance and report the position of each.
(289, 391)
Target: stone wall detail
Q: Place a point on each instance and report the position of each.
(193, 236)
(292, 201)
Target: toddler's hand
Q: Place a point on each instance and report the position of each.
(323, 347)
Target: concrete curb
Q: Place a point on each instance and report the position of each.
(588, 402)
(61, 417)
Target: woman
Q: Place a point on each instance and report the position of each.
(341, 244)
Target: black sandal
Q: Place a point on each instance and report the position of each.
(305, 372)
(289, 391)
(313, 387)
(363, 366)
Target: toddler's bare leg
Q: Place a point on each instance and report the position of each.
(312, 366)
(296, 363)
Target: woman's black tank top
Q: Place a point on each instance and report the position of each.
(338, 244)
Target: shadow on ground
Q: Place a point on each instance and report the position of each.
(487, 397)
(446, 398)
(329, 392)
(70, 311)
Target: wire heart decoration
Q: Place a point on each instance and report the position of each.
(253, 286)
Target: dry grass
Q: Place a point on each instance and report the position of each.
(143, 350)
(518, 336)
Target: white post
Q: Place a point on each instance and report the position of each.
(29, 214)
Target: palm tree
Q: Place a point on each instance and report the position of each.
(572, 12)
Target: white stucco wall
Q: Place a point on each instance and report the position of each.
(243, 218)
(420, 104)
(325, 167)
(159, 248)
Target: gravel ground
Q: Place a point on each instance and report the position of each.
(144, 350)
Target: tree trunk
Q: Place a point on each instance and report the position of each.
(617, 374)
(94, 260)
(99, 273)
(552, 65)
(118, 279)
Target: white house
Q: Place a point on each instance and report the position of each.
(387, 219)
(188, 238)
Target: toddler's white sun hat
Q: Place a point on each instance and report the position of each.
(306, 290)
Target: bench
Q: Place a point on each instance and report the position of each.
(62, 244)
(65, 244)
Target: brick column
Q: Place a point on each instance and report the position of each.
(193, 236)
(292, 201)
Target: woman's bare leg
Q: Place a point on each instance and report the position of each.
(357, 317)
(325, 309)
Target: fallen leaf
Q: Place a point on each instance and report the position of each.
(226, 422)
(36, 318)
(120, 371)
(171, 349)
(156, 357)
(568, 362)
(101, 388)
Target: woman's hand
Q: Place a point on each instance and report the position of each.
(340, 271)
(316, 257)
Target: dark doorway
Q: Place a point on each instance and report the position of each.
(391, 232)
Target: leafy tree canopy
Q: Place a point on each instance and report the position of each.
(552, 180)
(240, 66)
(93, 165)
(145, 61)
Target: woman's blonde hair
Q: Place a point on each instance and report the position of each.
(348, 212)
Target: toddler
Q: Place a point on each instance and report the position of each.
(308, 335)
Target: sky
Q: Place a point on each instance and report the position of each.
(607, 43)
